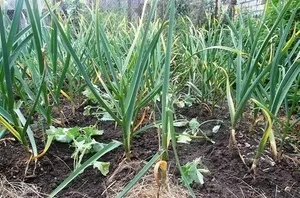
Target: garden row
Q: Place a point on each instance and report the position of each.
(127, 71)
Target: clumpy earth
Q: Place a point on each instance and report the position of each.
(228, 176)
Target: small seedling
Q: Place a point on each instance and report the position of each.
(83, 143)
(194, 127)
(192, 173)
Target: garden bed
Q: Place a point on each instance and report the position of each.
(228, 176)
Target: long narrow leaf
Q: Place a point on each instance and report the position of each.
(109, 147)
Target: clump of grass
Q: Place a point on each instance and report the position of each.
(147, 188)
(18, 189)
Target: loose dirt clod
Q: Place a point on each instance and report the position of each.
(17, 189)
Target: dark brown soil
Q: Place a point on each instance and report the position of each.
(228, 176)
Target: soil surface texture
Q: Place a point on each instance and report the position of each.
(228, 176)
